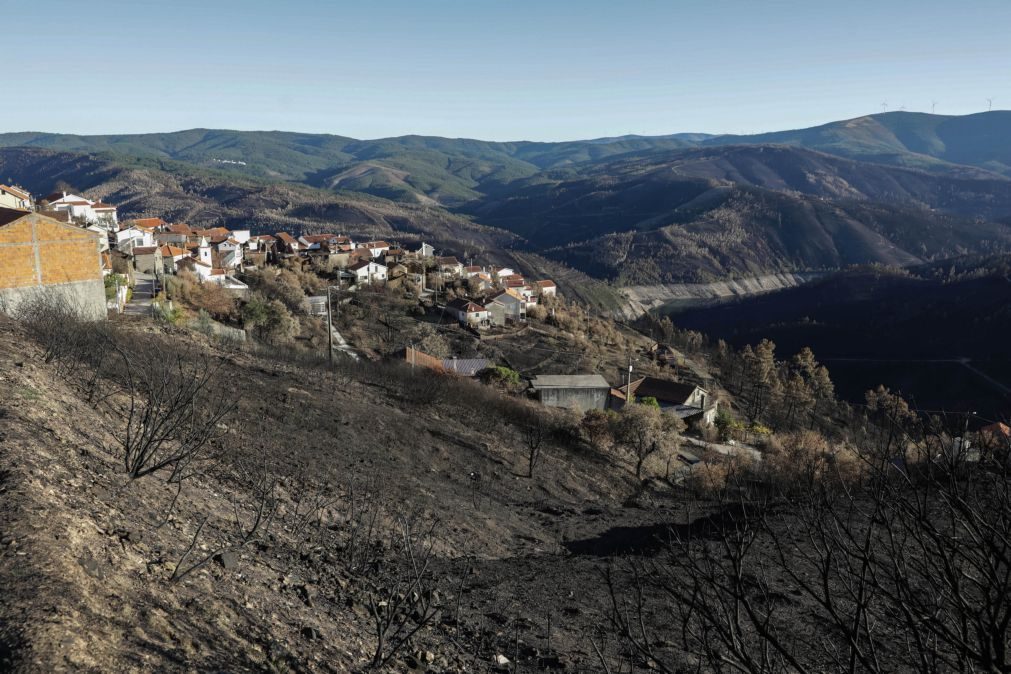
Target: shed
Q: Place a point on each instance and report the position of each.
(573, 391)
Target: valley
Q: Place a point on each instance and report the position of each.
(937, 332)
(671, 298)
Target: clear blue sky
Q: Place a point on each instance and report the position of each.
(508, 70)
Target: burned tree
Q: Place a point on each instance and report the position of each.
(906, 569)
(172, 406)
(402, 598)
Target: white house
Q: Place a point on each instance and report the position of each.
(81, 208)
(229, 254)
(499, 273)
(546, 288)
(15, 197)
(375, 248)
(368, 271)
(105, 215)
(425, 250)
(132, 237)
(468, 313)
(103, 237)
(207, 274)
(241, 236)
(449, 266)
(509, 305)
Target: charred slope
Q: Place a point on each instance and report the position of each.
(874, 326)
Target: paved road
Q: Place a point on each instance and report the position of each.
(341, 344)
(143, 292)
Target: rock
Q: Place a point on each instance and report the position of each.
(310, 633)
(130, 536)
(91, 566)
(229, 561)
(428, 656)
(500, 660)
(306, 593)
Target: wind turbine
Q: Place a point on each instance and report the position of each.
(884, 107)
(989, 104)
(933, 106)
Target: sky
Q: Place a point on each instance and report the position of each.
(496, 70)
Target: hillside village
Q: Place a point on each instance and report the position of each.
(302, 452)
(143, 259)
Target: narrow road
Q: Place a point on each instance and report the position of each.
(341, 344)
(143, 293)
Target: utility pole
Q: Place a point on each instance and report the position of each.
(628, 385)
(329, 328)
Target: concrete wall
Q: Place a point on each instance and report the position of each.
(581, 399)
(39, 255)
(88, 297)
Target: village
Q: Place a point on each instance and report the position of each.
(149, 266)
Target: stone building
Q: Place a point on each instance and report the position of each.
(39, 255)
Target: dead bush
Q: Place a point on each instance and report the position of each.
(167, 407)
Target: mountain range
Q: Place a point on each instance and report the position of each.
(896, 188)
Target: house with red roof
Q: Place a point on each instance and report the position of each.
(468, 313)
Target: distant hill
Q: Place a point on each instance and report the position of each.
(912, 139)
(409, 168)
(897, 188)
(702, 214)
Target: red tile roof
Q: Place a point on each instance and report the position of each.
(172, 251)
(16, 191)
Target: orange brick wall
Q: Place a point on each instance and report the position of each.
(69, 262)
(37, 250)
(17, 266)
(16, 232)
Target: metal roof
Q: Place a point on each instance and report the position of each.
(543, 381)
(465, 367)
